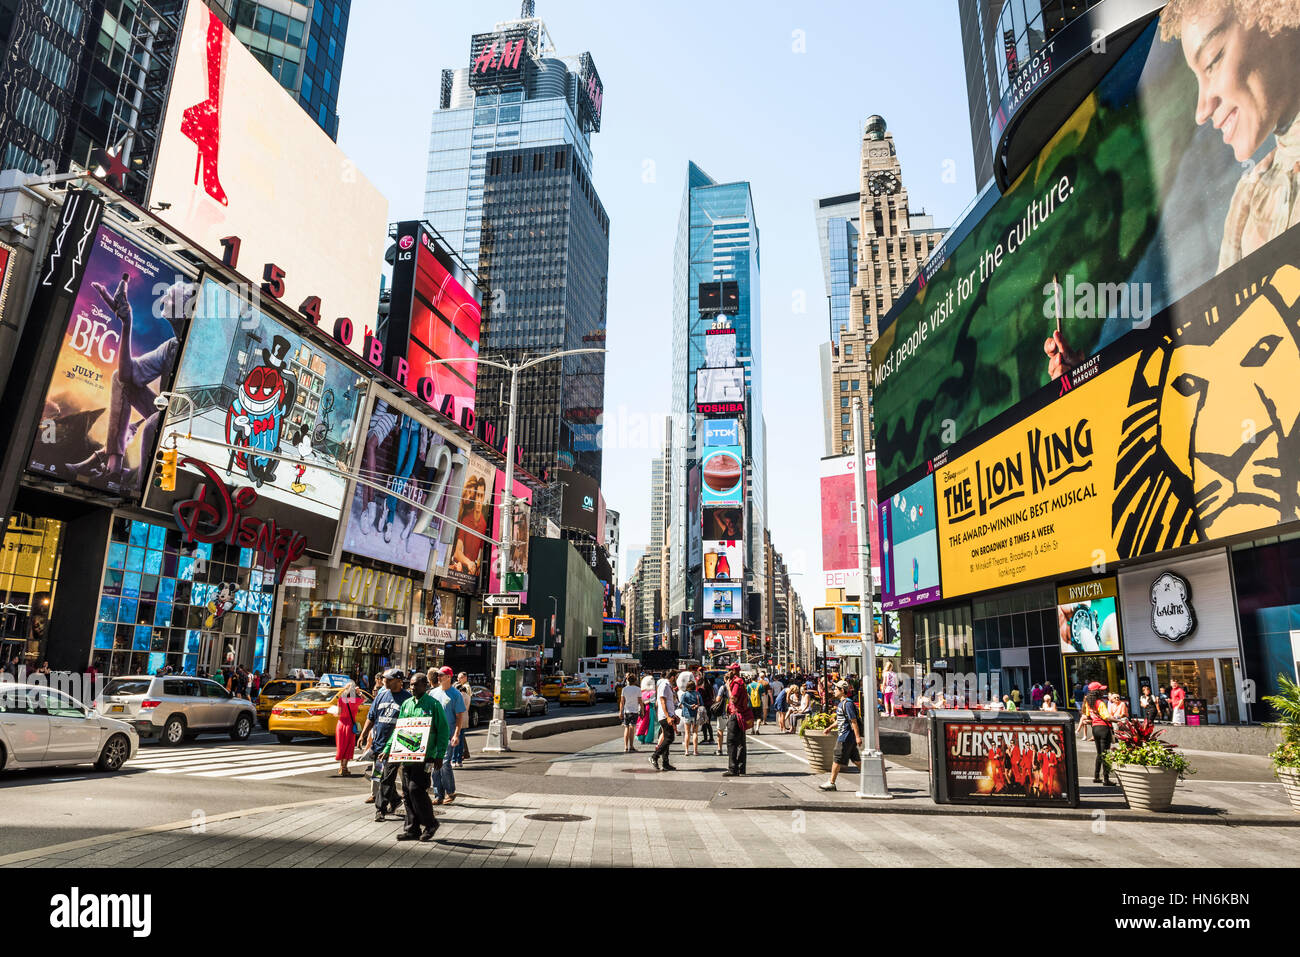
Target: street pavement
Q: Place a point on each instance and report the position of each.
(576, 799)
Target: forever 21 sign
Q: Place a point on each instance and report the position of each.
(273, 277)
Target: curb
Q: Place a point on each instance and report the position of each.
(544, 729)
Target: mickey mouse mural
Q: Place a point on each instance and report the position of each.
(1172, 615)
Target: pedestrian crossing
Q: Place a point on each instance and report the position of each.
(240, 763)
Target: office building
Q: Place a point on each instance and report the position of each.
(514, 93)
(837, 219)
(545, 256)
(717, 242)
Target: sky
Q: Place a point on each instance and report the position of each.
(767, 91)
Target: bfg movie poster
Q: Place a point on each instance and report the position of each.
(118, 353)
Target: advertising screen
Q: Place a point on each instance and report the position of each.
(722, 385)
(909, 566)
(717, 640)
(238, 156)
(582, 505)
(723, 602)
(433, 316)
(1088, 617)
(409, 457)
(119, 351)
(469, 545)
(840, 566)
(995, 763)
(720, 348)
(1136, 201)
(727, 524)
(498, 59)
(520, 511)
(724, 560)
(722, 472)
(720, 433)
(259, 387)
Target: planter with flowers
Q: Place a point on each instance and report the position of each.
(1286, 756)
(1148, 768)
(819, 745)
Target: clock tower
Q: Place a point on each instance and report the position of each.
(893, 244)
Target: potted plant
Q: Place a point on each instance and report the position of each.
(1286, 756)
(1148, 769)
(819, 745)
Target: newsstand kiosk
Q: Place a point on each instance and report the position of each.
(1003, 758)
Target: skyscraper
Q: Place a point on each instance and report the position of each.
(717, 241)
(837, 219)
(545, 256)
(514, 93)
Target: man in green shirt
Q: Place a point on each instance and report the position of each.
(420, 822)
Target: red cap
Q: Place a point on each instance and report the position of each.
(445, 670)
(1096, 686)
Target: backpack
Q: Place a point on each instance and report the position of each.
(755, 695)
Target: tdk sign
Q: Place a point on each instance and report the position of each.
(721, 432)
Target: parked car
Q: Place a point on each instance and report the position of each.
(176, 707)
(532, 704)
(480, 705)
(550, 686)
(577, 691)
(308, 713)
(273, 692)
(42, 727)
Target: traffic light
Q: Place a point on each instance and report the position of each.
(165, 469)
(514, 627)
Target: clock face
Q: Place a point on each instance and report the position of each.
(884, 181)
(1083, 629)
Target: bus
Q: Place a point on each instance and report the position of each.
(606, 673)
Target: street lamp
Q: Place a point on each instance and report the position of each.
(871, 780)
(497, 728)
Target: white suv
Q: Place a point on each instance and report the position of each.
(175, 707)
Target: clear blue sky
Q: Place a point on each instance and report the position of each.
(772, 92)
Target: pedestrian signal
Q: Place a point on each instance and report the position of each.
(165, 470)
(514, 627)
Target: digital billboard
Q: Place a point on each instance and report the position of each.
(723, 523)
(582, 507)
(840, 565)
(469, 545)
(257, 387)
(722, 471)
(1142, 195)
(238, 157)
(433, 316)
(591, 93)
(118, 353)
(724, 560)
(409, 457)
(520, 511)
(719, 385)
(718, 640)
(719, 433)
(723, 602)
(1087, 616)
(909, 565)
(720, 348)
(499, 59)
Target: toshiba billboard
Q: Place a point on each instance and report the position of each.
(239, 158)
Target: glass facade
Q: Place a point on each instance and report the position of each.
(717, 239)
(190, 607)
(1016, 637)
(843, 238)
(29, 574)
(471, 127)
(1268, 598)
(545, 256)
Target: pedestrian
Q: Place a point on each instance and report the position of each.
(666, 711)
(704, 687)
(1048, 703)
(1162, 704)
(1097, 714)
(647, 724)
(1015, 697)
(782, 708)
(453, 705)
(1119, 712)
(630, 710)
(420, 824)
(691, 708)
(1148, 705)
(379, 728)
(848, 733)
(1178, 701)
(345, 728)
(740, 717)
(1036, 696)
(768, 697)
(889, 683)
(1007, 703)
(462, 748)
(755, 690)
(256, 688)
(1049, 690)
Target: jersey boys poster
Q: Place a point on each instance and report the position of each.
(1014, 763)
(118, 352)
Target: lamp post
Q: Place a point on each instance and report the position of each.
(871, 780)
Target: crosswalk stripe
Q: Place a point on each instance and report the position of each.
(166, 762)
(270, 764)
(199, 765)
(272, 775)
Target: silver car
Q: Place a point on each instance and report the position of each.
(41, 727)
(176, 707)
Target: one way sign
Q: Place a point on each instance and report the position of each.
(501, 601)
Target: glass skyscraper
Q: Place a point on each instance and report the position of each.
(837, 236)
(717, 240)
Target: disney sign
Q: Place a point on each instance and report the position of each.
(216, 513)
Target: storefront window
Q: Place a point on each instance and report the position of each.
(29, 571)
(1200, 680)
(191, 609)
(1016, 640)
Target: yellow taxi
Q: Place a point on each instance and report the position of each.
(273, 692)
(312, 711)
(577, 691)
(551, 686)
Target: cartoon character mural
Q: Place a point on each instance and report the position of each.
(221, 603)
(256, 417)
